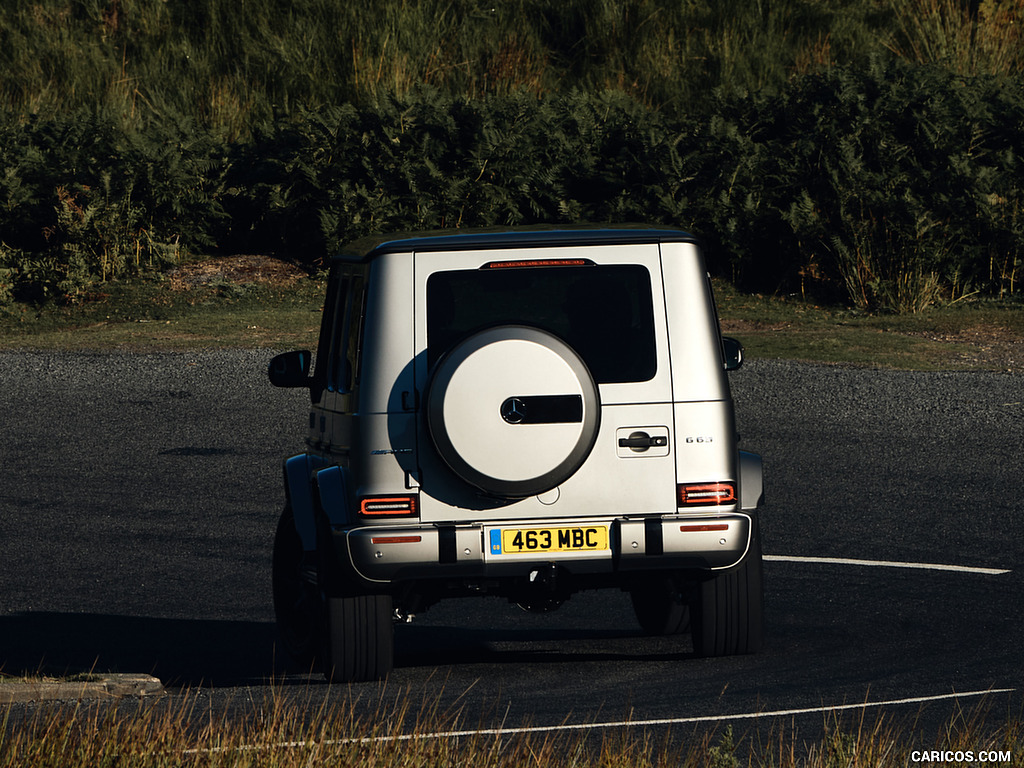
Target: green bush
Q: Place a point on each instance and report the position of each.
(898, 183)
(430, 161)
(889, 186)
(82, 199)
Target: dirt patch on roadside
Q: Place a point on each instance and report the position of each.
(977, 334)
(752, 326)
(989, 346)
(235, 270)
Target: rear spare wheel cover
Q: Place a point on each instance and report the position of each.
(513, 410)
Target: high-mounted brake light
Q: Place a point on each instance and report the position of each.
(706, 494)
(387, 506)
(538, 263)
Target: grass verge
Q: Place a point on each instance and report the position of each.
(964, 335)
(243, 302)
(402, 733)
(214, 304)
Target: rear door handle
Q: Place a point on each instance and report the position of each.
(641, 441)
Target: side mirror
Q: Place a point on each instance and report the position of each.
(733, 353)
(290, 369)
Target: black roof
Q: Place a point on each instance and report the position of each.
(368, 248)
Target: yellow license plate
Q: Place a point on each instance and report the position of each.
(580, 538)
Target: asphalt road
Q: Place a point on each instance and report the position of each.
(140, 493)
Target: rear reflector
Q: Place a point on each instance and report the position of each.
(396, 539)
(384, 506)
(703, 528)
(707, 494)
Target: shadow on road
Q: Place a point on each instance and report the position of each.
(179, 652)
(229, 653)
(423, 646)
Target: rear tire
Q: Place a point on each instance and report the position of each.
(727, 611)
(298, 607)
(359, 643)
(660, 608)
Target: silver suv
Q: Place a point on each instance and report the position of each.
(523, 413)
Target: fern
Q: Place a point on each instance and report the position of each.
(886, 186)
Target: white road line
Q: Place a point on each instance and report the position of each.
(614, 723)
(685, 720)
(887, 564)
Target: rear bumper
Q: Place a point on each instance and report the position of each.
(396, 553)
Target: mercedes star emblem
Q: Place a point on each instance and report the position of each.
(513, 410)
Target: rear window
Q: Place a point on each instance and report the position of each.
(605, 313)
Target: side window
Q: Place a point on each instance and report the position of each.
(345, 355)
(336, 368)
(321, 364)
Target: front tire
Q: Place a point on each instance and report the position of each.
(360, 638)
(727, 610)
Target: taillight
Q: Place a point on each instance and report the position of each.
(387, 506)
(706, 494)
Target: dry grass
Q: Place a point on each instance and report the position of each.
(183, 731)
(236, 270)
